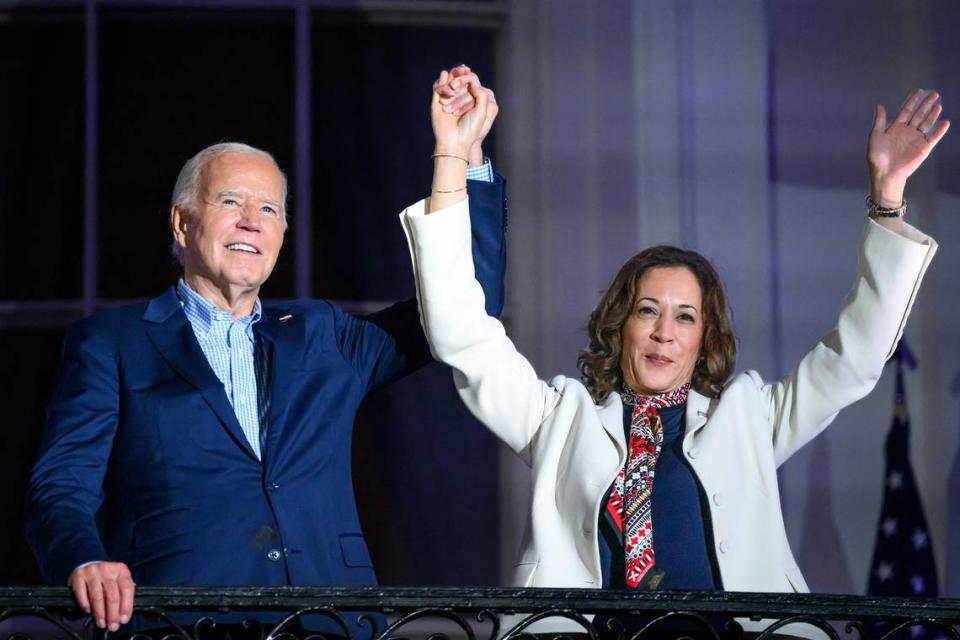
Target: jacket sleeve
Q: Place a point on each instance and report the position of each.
(494, 380)
(847, 362)
(66, 485)
(386, 345)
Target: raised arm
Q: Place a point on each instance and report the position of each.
(846, 364)
(495, 381)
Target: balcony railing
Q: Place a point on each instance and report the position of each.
(483, 614)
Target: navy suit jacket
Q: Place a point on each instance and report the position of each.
(143, 460)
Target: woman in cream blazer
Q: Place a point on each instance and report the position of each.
(734, 442)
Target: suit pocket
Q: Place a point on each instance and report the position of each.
(168, 528)
(163, 549)
(354, 550)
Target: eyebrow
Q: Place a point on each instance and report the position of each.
(655, 301)
(238, 194)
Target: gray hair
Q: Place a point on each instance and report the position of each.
(186, 191)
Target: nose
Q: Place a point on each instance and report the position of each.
(249, 219)
(663, 329)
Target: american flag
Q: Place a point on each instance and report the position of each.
(903, 563)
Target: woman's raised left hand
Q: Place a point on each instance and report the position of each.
(896, 150)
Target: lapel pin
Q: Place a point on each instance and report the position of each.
(285, 318)
(702, 414)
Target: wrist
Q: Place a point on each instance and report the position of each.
(886, 192)
(476, 154)
(451, 149)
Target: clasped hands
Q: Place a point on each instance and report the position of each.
(462, 112)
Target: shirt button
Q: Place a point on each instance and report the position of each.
(718, 498)
(724, 547)
(273, 554)
(693, 453)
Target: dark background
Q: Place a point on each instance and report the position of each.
(172, 81)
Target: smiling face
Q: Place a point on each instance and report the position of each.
(231, 238)
(662, 336)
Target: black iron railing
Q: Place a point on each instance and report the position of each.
(43, 613)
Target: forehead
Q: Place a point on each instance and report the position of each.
(243, 172)
(670, 283)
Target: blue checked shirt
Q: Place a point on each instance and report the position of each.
(483, 173)
(229, 347)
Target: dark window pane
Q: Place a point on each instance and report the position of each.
(372, 145)
(41, 155)
(173, 83)
(32, 357)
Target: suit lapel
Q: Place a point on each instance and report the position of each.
(174, 339)
(284, 331)
(611, 417)
(698, 410)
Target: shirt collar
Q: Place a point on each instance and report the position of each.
(202, 313)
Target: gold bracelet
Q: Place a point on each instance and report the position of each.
(447, 155)
(463, 188)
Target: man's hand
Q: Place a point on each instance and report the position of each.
(456, 126)
(104, 590)
(457, 99)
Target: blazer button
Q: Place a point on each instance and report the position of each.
(718, 498)
(693, 453)
(724, 546)
(274, 555)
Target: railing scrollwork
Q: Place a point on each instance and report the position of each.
(298, 613)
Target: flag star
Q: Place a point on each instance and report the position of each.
(895, 480)
(916, 583)
(889, 526)
(884, 571)
(919, 539)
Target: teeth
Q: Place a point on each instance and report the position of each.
(242, 247)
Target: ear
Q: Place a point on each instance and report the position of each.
(179, 218)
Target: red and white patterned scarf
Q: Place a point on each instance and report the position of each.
(630, 501)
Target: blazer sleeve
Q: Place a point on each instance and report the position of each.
(66, 484)
(495, 381)
(387, 345)
(847, 362)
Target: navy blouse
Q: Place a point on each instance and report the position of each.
(682, 532)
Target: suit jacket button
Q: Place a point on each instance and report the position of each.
(692, 454)
(724, 546)
(718, 498)
(273, 555)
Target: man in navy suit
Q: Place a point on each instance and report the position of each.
(202, 439)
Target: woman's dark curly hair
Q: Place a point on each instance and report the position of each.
(600, 362)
